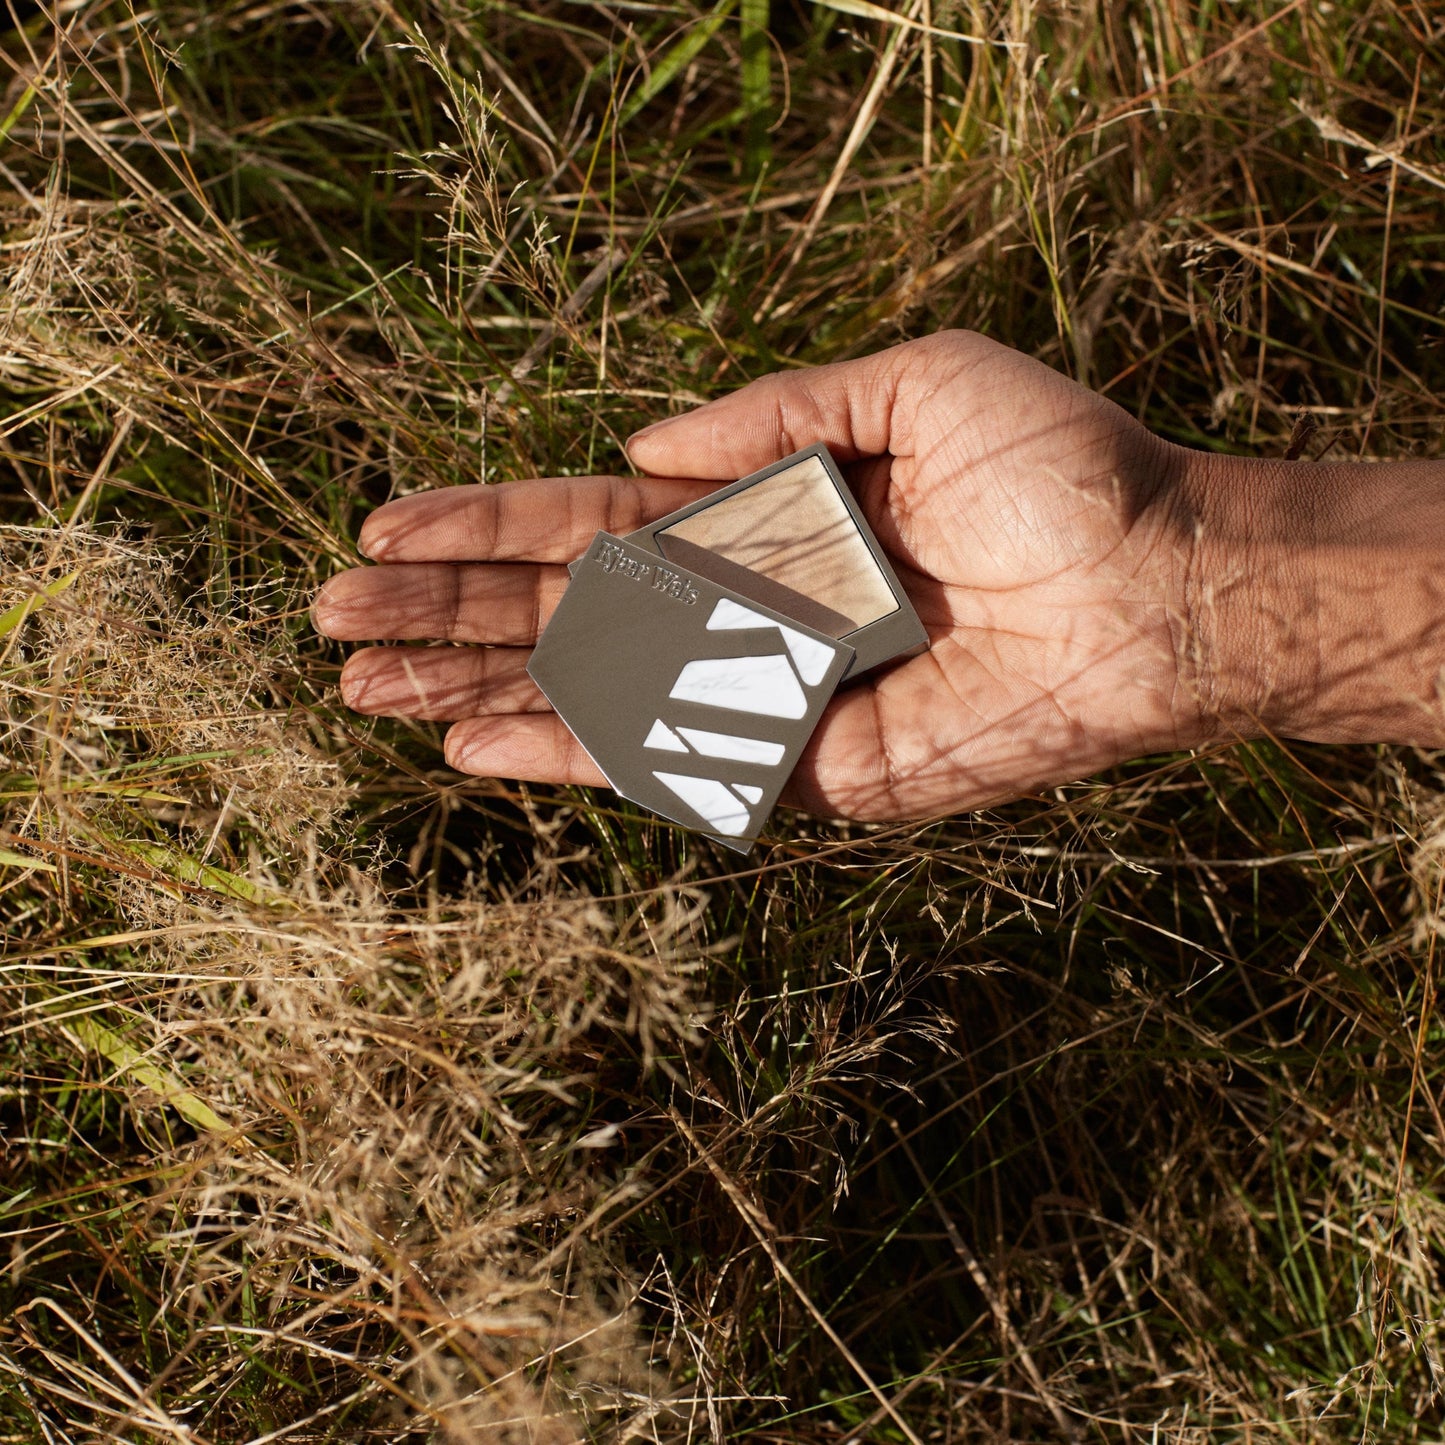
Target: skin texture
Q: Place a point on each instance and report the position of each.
(1091, 592)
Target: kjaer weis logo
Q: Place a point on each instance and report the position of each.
(611, 558)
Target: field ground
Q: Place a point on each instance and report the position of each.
(344, 1099)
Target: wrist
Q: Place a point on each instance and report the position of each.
(1314, 599)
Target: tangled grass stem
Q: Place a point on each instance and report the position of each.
(344, 1099)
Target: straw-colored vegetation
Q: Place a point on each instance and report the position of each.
(345, 1099)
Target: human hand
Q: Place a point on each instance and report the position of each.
(1043, 535)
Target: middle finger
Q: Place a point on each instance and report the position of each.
(440, 682)
(505, 603)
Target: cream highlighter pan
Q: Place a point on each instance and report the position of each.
(790, 542)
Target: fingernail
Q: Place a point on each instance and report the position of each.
(648, 431)
(454, 751)
(369, 544)
(366, 695)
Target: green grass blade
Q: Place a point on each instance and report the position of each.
(9, 859)
(182, 868)
(17, 111)
(678, 58)
(94, 1037)
(757, 83)
(12, 617)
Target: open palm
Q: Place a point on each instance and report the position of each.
(1040, 532)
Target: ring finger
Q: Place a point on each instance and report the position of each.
(504, 604)
(440, 683)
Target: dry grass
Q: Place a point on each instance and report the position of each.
(344, 1099)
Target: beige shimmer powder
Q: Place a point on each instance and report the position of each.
(793, 546)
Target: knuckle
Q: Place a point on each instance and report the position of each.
(451, 599)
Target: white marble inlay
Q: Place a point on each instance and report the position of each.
(728, 615)
(730, 745)
(811, 656)
(710, 799)
(663, 737)
(767, 686)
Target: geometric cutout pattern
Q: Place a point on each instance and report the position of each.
(710, 799)
(663, 737)
(730, 614)
(763, 685)
(810, 656)
(672, 720)
(730, 745)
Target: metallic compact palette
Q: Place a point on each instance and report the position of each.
(693, 658)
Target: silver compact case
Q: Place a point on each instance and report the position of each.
(693, 658)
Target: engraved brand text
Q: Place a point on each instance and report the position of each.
(612, 558)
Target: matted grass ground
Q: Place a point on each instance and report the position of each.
(344, 1099)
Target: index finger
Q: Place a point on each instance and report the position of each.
(550, 519)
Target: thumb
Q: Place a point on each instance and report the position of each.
(857, 408)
